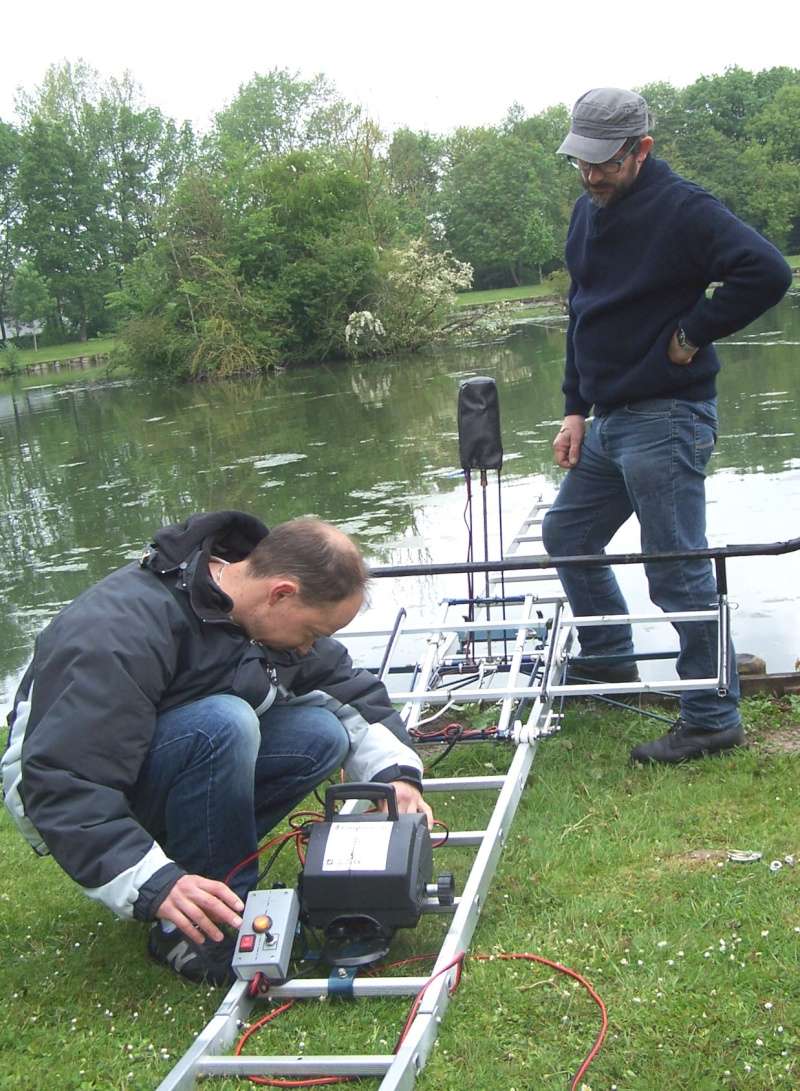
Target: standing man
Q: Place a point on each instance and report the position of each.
(180, 708)
(643, 247)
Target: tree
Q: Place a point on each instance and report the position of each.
(252, 270)
(777, 126)
(9, 214)
(30, 300)
(65, 226)
(494, 183)
(540, 241)
(97, 165)
(278, 113)
(415, 166)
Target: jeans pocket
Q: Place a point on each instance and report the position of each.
(705, 440)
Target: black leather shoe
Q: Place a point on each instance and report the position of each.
(203, 963)
(582, 671)
(684, 743)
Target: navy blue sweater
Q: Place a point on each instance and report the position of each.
(639, 268)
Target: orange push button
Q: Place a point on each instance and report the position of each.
(262, 924)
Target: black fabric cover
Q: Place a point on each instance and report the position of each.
(479, 444)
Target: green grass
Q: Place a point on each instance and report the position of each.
(96, 346)
(793, 260)
(617, 872)
(495, 295)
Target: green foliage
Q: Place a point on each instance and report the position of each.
(95, 166)
(9, 214)
(558, 283)
(278, 113)
(503, 201)
(415, 295)
(31, 299)
(254, 270)
(10, 358)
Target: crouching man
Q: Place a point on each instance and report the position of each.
(181, 707)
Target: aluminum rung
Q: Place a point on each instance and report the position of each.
(355, 1064)
(625, 619)
(529, 693)
(308, 988)
(463, 784)
(465, 837)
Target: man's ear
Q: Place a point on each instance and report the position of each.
(645, 147)
(282, 589)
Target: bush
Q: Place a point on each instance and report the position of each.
(558, 283)
(10, 359)
(415, 295)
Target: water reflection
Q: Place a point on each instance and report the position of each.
(88, 472)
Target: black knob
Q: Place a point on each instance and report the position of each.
(446, 888)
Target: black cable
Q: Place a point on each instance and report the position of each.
(274, 856)
(445, 752)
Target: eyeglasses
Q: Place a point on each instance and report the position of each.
(611, 166)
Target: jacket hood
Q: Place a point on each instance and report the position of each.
(231, 535)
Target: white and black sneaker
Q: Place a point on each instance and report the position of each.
(203, 963)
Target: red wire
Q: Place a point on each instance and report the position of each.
(458, 962)
(262, 848)
(598, 1042)
(264, 1081)
(443, 841)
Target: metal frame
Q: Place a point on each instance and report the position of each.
(398, 1070)
(535, 669)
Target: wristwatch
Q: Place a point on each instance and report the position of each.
(683, 340)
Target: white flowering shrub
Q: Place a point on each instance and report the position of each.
(363, 333)
(413, 303)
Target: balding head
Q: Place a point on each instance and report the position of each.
(324, 562)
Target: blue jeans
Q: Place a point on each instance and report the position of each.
(648, 457)
(217, 778)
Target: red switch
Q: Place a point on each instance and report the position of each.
(247, 943)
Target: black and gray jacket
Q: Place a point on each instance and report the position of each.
(152, 636)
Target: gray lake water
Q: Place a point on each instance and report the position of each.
(89, 471)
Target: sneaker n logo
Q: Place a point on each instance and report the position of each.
(180, 954)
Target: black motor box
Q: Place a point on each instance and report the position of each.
(373, 866)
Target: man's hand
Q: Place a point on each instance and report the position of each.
(195, 903)
(409, 801)
(677, 354)
(567, 444)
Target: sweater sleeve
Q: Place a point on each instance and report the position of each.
(752, 274)
(573, 402)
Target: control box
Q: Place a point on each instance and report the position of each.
(266, 935)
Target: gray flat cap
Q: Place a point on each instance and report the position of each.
(602, 120)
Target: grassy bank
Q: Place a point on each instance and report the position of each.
(620, 873)
(98, 346)
(500, 295)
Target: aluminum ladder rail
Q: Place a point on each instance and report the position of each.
(205, 1058)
